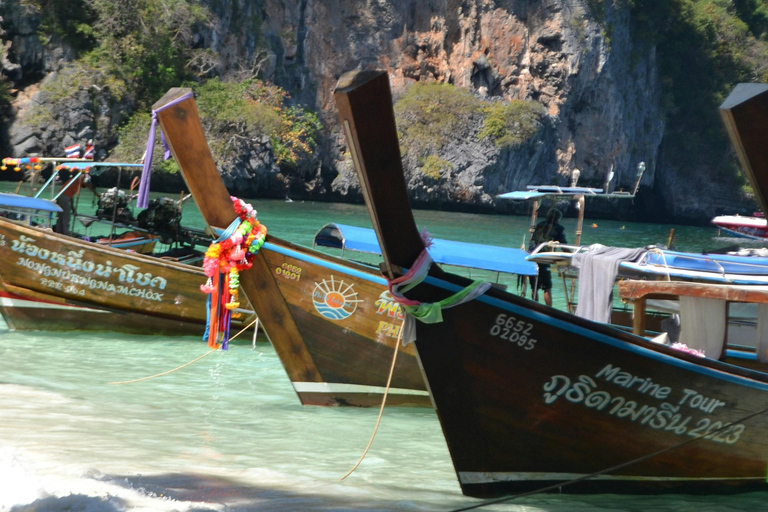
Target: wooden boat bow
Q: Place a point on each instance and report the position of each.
(364, 101)
(745, 114)
(184, 134)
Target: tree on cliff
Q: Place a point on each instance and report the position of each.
(144, 46)
(245, 122)
(705, 47)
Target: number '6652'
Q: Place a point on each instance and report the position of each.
(509, 328)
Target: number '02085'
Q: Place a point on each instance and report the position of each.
(509, 328)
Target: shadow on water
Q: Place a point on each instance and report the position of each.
(209, 493)
(74, 502)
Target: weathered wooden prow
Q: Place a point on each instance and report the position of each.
(745, 113)
(364, 101)
(184, 134)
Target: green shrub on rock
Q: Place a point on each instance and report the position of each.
(430, 114)
(234, 114)
(510, 124)
(432, 166)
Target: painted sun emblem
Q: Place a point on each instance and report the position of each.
(335, 300)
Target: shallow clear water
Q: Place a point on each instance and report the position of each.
(228, 433)
(225, 433)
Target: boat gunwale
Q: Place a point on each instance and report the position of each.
(104, 248)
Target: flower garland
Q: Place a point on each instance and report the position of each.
(232, 253)
(685, 348)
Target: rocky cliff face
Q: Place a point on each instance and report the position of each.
(599, 85)
(89, 113)
(601, 91)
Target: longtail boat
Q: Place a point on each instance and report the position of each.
(57, 282)
(532, 398)
(735, 112)
(331, 321)
(754, 227)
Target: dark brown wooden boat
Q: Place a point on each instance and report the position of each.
(60, 283)
(533, 398)
(332, 322)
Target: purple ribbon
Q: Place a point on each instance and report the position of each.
(143, 199)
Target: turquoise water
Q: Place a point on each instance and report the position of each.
(227, 432)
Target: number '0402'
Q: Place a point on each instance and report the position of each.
(509, 328)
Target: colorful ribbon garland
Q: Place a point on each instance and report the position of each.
(224, 260)
(18, 162)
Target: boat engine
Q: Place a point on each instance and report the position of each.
(162, 217)
(114, 202)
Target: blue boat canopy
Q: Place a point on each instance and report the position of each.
(19, 202)
(534, 192)
(460, 254)
(95, 167)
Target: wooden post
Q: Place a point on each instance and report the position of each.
(638, 320)
(580, 221)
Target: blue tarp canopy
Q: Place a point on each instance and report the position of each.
(717, 263)
(19, 202)
(88, 165)
(460, 254)
(534, 192)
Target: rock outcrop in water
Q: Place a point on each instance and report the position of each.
(601, 91)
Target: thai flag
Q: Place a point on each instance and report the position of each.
(72, 151)
(89, 151)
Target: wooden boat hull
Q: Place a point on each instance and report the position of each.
(534, 399)
(329, 319)
(528, 399)
(55, 282)
(349, 325)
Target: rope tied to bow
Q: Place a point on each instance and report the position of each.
(429, 313)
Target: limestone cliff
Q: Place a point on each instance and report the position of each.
(600, 86)
(602, 97)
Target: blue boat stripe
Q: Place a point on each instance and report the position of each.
(608, 340)
(326, 264)
(540, 317)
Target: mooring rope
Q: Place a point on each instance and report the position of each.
(383, 401)
(608, 470)
(663, 259)
(186, 364)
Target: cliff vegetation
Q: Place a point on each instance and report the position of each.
(491, 95)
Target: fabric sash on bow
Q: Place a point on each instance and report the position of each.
(429, 313)
(143, 199)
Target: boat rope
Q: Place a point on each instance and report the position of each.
(186, 364)
(612, 468)
(383, 402)
(664, 259)
(429, 313)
